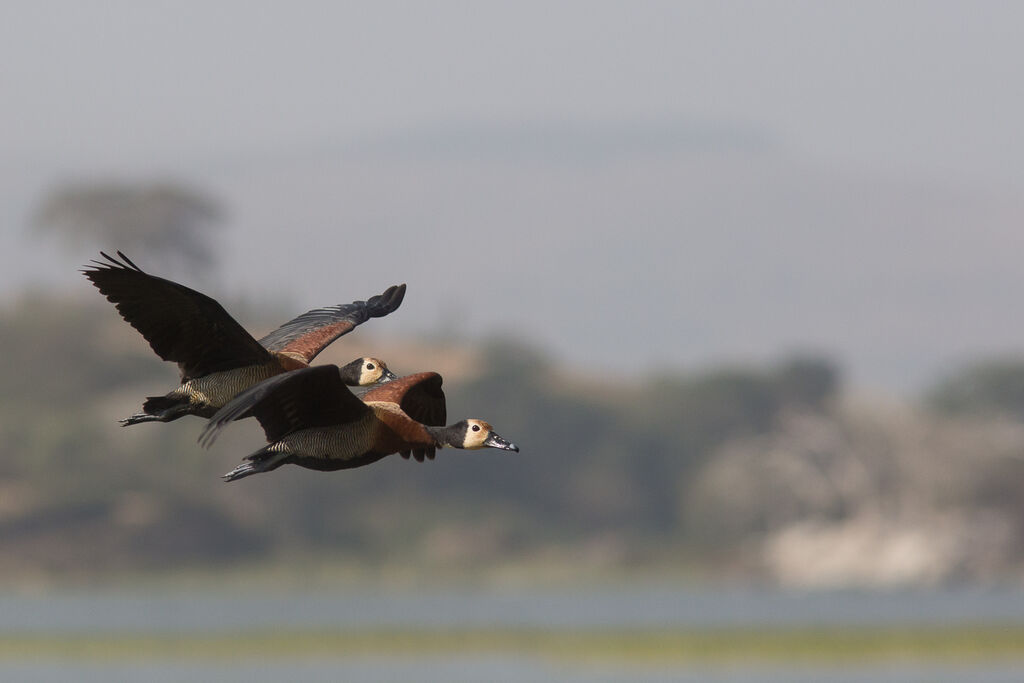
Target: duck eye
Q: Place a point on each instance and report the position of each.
(476, 428)
(369, 366)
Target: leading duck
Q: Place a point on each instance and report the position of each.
(313, 420)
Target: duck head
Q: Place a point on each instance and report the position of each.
(362, 372)
(479, 434)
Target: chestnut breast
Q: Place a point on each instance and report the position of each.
(397, 431)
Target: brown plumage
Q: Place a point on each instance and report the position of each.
(216, 357)
(420, 397)
(313, 420)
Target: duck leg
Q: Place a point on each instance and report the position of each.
(158, 409)
(260, 461)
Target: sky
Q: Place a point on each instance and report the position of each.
(635, 187)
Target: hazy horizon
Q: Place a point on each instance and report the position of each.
(663, 185)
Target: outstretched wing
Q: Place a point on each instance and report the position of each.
(300, 399)
(420, 397)
(180, 324)
(310, 333)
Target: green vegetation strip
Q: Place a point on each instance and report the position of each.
(791, 645)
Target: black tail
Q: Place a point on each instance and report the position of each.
(156, 405)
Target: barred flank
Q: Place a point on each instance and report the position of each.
(217, 389)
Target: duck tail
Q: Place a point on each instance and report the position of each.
(159, 404)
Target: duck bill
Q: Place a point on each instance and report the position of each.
(388, 376)
(495, 441)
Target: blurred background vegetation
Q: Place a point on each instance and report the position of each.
(776, 471)
(741, 279)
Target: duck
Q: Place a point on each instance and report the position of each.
(217, 358)
(313, 420)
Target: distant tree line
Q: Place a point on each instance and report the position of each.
(595, 459)
(994, 386)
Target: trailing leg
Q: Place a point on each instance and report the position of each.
(160, 409)
(262, 460)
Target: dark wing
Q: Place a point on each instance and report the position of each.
(300, 399)
(420, 397)
(180, 324)
(310, 333)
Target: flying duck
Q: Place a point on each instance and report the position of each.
(217, 358)
(313, 420)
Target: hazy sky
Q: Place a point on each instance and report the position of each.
(628, 183)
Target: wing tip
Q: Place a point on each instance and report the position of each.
(110, 263)
(386, 302)
(397, 295)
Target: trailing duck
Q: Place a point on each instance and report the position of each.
(216, 357)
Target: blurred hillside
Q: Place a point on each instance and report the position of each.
(773, 472)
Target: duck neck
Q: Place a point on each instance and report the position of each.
(446, 436)
(350, 373)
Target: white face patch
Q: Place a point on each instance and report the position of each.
(371, 371)
(477, 432)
